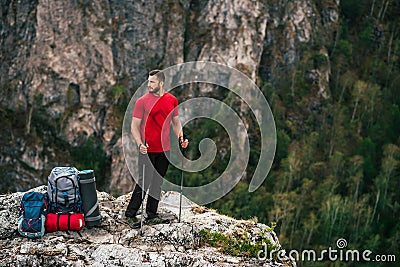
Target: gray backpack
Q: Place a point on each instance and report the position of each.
(63, 190)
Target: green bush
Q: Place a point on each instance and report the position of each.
(239, 245)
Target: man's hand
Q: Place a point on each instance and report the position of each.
(143, 148)
(183, 142)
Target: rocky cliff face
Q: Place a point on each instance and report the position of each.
(67, 67)
(116, 244)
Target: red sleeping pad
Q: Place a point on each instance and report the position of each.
(64, 222)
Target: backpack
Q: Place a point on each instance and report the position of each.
(63, 190)
(33, 209)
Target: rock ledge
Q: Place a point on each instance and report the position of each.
(116, 244)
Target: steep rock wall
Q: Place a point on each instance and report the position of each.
(67, 66)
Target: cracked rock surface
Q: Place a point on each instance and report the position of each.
(114, 243)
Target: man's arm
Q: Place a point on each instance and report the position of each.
(135, 129)
(177, 128)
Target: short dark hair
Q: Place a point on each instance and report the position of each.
(159, 74)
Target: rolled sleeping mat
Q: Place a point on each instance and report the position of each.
(90, 204)
(64, 222)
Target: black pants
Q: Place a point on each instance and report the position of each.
(155, 167)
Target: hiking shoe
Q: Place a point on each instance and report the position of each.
(132, 221)
(155, 220)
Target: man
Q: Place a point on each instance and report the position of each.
(152, 116)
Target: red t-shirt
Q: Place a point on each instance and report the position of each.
(156, 114)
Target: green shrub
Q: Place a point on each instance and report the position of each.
(239, 245)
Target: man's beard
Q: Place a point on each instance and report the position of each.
(155, 90)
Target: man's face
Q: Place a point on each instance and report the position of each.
(153, 84)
